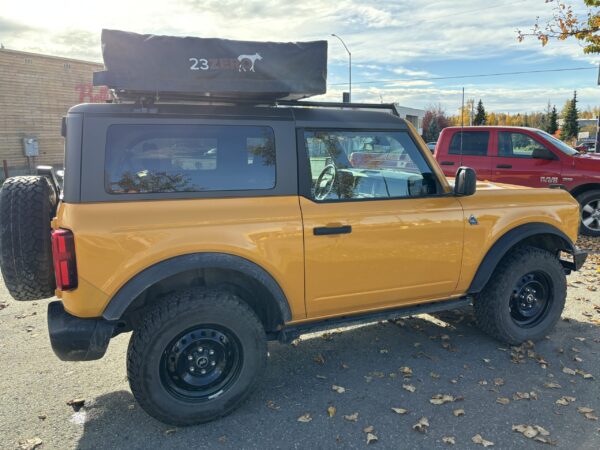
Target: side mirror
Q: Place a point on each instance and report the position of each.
(465, 181)
(542, 153)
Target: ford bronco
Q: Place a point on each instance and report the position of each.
(208, 230)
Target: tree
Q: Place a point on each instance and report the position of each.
(434, 121)
(566, 23)
(551, 125)
(480, 117)
(570, 127)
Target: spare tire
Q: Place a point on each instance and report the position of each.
(27, 205)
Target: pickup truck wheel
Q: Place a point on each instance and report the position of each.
(27, 205)
(524, 298)
(196, 356)
(590, 213)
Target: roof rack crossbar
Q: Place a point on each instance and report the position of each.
(389, 106)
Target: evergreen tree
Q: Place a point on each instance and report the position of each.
(552, 123)
(570, 127)
(433, 132)
(480, 117)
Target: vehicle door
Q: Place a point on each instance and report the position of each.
(378, 230)
(518, 160)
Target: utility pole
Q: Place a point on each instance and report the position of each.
(349, 67)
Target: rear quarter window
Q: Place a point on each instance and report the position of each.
(188, 158)
(472, 143)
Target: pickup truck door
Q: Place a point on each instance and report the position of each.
(513, 162)
(466, 148)
(370, 245)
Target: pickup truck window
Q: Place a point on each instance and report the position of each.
(188, 158)
(558, 143)
(516, 145)
(350, 165)
(473, 143)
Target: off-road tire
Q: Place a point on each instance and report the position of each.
(173, 315)
(583, 200)
(492, 305)
(27, 205)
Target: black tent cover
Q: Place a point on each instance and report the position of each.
(191, 67)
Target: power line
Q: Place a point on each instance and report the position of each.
(481, 75)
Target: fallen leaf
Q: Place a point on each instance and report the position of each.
(338, 389)
(434, 375)
(487, 360)
(409, 387)
(503, 400)
(321, 377)
(499, 381)
(422, 425)
(368, 429)
(440, 399)
(371, 438)
(406, 371)
(305, 418)
(458, 412)
(477, 439)
(552, 385)
(272, 405)
(580, 339)
(331, 411)
(564, 401)
(400, 410)
(170, 431)
(584, 410)
(352, 417)
(569, 371)
(319, 359)
(30, 444)
(449, 440)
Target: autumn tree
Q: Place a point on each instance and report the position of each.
(434, 121)
(570, 127)
(480, 117)
(565, 23)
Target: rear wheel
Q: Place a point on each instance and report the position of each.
(196, 356)
(27, 205)
(590, 212)
(524, 298)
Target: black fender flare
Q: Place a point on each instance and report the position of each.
(143, 280)
(508, 241)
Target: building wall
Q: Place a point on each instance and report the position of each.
(36, 91)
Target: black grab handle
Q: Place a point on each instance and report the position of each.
(323, 231)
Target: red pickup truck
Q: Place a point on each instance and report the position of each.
(527, 157)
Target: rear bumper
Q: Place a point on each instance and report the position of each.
(579, 257)
(76, 339)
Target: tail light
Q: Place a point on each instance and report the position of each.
(63, 255)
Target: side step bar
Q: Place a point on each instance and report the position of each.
(289, 333)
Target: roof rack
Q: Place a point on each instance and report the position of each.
(389, 106)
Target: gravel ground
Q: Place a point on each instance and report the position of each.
(376, 365)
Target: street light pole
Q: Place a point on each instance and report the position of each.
(349, 67)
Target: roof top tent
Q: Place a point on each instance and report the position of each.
(171, 68)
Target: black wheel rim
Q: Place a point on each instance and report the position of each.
(531, 299)
(201, 363)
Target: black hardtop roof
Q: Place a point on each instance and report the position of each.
(339, 114)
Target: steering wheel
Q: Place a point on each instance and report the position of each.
(325, 182)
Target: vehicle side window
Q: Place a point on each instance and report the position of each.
(473, 143)
(188, 158)
(350, 165)
(516, 145)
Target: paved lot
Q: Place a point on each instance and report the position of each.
(446, 355)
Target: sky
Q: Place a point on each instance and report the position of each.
(400, 48)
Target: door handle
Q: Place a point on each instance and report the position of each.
(447, 163)
(504, 166)
(324, 231)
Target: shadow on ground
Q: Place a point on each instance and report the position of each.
(446, 354)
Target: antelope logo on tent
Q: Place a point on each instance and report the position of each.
(247, 62)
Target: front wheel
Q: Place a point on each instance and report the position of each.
(196, 356)
(524, 298)
(590, 212)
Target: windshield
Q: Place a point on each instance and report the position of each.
(558, 143)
